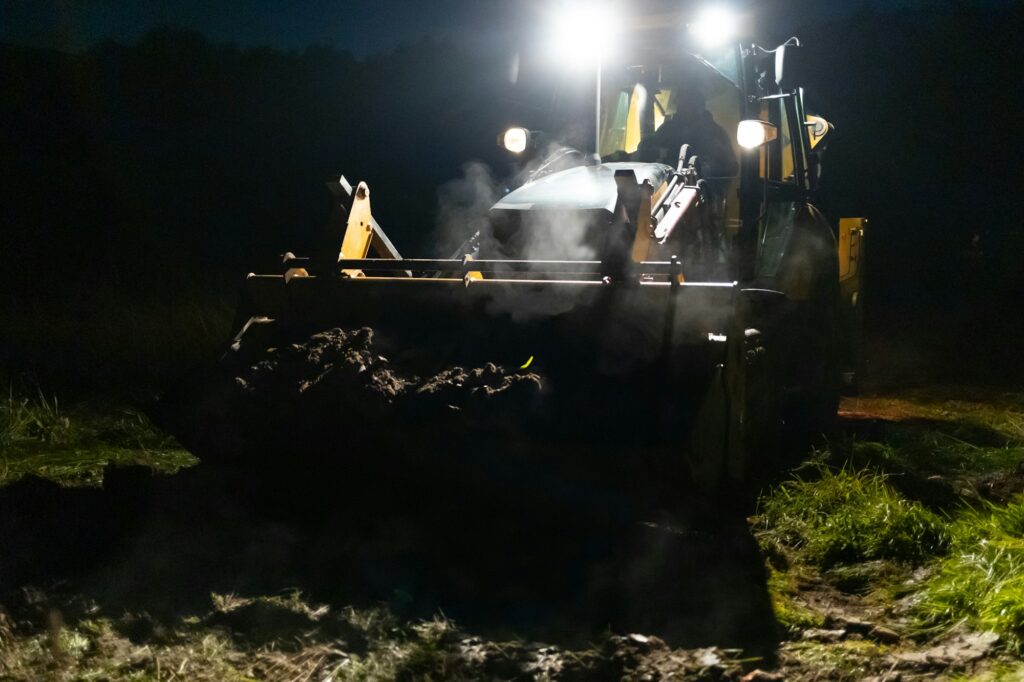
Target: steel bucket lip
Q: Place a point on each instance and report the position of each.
(648, 318)
(633, 270)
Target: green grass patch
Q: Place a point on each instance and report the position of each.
(1002, 671)
(941, 445)
(860, 514)
(1000, 411)
(982, 580)
(37, 419)
(789, 610)
(846, 516)
(40, 436)
(850, 659)
(924, 452)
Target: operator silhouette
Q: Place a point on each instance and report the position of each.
(692, 124)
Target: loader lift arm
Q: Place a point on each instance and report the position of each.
(352, 225)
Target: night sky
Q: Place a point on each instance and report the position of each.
(361, 26)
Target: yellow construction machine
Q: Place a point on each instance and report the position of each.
(696, 306)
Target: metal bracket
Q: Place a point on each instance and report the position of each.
(632, 213)
(346, 200)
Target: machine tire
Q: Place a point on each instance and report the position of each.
(705, 460)
(711, 469)
(814, 400)
(813, 332)
(764, 414)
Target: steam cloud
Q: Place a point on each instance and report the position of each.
(558, 235)
(552, 234)
(463, 204)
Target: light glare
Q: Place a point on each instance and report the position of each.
(752, 134)
(515, 140)
(714, 27)
(583, 34)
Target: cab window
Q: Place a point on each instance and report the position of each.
(779, 158)
(625, 108)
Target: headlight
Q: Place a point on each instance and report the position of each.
(516, 140)
(752, 133)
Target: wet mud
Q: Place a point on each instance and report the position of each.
(162, 544)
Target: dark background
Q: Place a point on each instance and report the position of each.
(142, 177)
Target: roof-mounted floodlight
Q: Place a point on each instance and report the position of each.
(584, 33)
(714, 27)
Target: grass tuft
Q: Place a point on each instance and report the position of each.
(982, 580)
(845, 516)
(40, 437)
(921, 453)
(962, 406)
(790, 612)
(38, 418)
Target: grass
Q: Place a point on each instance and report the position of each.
(40, 436)
(851, 660)
(958, 406)
(939, 445)
(790, 612)
(844, 522)
(40, 419)
(845, 516)
(1003, 671)
(228, 642)
(861, 515)
(932, 453)
(981, 582)
(852, 519)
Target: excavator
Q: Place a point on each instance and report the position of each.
(691, 298)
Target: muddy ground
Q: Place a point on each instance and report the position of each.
(213, 573)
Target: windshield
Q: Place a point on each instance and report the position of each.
(693, 97)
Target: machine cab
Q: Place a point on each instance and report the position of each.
(650, 107)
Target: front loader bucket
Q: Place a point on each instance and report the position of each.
(629, 366)
(620, 327)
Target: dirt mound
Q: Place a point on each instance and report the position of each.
(340, 362)
(353, 408)
(333, 387)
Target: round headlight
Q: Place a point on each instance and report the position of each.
(515, 140)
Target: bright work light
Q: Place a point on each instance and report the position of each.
(714, 27)
(752, 133)
(515, 140)
(584, 33)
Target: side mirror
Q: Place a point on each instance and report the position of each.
(752, 133)
(791, 66)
